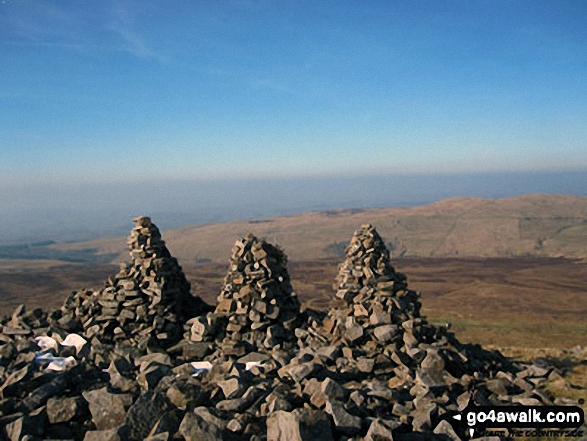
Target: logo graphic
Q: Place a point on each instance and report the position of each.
(480, 418)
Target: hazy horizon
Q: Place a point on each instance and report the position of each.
(211, 111)
(82, 212)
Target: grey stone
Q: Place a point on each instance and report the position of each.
(168, 423)
(107, 409)
(63, 410)
(381, 430)
(423, 416)
(399, 409)
(145, 412)
(319, 399)
(235, 425)
(354, 333)
(33, 425)
(332, 389)
(151, 373)
(365, 364)
(343, 421)
(312, 386)
(11, 385)
(196, 350)
(534, 370)
(299, 371)
(104, 435)
(445, 428)
(232, 387)
(252, 394)
(497, 386)
(149, 297)
(184, 395)
(155, 357)
(526, 401)
(39, 396)
(386, 333)
(197, 427)
(299, 425)
(330, 352)
(164, 436)
(371, 355)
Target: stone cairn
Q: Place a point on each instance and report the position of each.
(145, 302)
(256, 368)
(257, 308)
(370, 296)
(410, 372)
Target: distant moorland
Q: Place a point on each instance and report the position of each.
(530, 225)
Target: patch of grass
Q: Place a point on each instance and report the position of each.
(521, 333)
(336, 249)
(44, 251)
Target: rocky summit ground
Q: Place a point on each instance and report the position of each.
(143, 359)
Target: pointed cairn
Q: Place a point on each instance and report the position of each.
(144, 301)
(369, 292)
(257, 309)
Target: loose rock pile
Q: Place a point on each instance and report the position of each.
(145, 303)
(394, 364)
(256, 368)
(257, 308)
(372, 300)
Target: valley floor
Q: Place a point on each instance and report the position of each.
(519, 302)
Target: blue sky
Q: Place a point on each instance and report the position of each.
(114, 91)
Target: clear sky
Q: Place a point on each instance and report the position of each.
(109, 91)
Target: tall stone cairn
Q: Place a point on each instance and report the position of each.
(146, 300)
(374, 333)
(369, 294)
(257, 307)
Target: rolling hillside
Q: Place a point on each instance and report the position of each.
(529, 225)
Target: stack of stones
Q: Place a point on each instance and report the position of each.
(145, 302)
(257, 308)
(395, 365)
(372, 369)
(370, 295)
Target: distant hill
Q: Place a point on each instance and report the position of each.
(529, 225)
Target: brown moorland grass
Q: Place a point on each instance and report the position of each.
(522, 302)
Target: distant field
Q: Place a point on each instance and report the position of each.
(522, 302)
(523, 226)
(46, 283)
